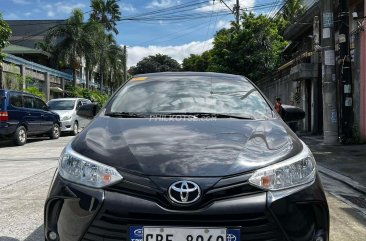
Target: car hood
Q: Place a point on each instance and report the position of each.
(63, 113)
(187, 148)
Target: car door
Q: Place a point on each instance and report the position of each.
(32, 115)
(47, 117)
(85, 120)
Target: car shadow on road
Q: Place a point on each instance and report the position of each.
(36, 235)
(9, 143)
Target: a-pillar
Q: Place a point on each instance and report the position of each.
(46, 86)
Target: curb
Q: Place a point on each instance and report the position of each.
(339, 177)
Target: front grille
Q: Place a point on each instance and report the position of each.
(224, 188)
(109, 226)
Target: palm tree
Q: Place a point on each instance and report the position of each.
(293, 9)
(106, 12)
(75, 41)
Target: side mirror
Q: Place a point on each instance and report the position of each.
(292, 113)
(87, 111)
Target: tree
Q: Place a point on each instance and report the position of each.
(198, 63)
(293, 9)
(106, 12)
(5, 33)
(154, 64)
(252, 48)
(76, 40)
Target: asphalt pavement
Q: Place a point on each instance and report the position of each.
(26, 173)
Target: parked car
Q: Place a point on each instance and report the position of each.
(186, 157)
(23, 114)
(67, 108)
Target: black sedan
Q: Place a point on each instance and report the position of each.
(186, 157)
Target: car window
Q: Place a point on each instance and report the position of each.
(39, 104)
(61, 104)
(16, 100)
(198, 94)
(28, 102)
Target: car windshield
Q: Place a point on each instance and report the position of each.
(234, 96)
(61, 104)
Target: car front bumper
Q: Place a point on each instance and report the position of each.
(66, 126)
(76, 213)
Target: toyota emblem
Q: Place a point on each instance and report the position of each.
(184, 192)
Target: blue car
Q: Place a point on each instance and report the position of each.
(23, 114)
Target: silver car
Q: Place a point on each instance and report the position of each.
(67, 108)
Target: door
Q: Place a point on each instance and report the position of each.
(47, 117)
(79, 118)
(32, 115)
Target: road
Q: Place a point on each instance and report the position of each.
(26, 173)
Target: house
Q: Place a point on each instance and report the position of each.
(299, 80)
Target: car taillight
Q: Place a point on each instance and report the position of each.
(4, 116)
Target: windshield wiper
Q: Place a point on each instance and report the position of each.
(206, 115)
(124, 115)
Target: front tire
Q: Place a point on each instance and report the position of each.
(20, 136)
(75, 128)
(55, 132)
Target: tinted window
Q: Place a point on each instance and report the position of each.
(61, 104)
(28, 102)
(203, 94)
(16, 100)
(39, 104)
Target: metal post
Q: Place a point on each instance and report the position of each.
(345, 77)
(330, 113)
(125, 64)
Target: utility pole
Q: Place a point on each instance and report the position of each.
(237, 12)
(345, 74)
(329, 83)
(125, 64)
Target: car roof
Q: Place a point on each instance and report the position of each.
(19, 92)
(207, 74)
(57, 99)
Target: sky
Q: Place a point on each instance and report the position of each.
(177, 28)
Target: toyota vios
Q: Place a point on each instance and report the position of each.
(186, 157)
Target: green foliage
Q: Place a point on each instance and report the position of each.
(93, 95)
(198, 63)
(252, 49)
(76, 41)
(35, 91)
(154, 64)
(106, 12)
(293, 9)
(5, 33)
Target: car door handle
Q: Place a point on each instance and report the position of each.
(29, 113)
(42, 115)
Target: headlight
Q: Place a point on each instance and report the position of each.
(293, 172)
(80, 169)
(67, 117)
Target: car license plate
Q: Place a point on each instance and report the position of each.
(139, 233)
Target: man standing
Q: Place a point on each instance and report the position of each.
(278, 106)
